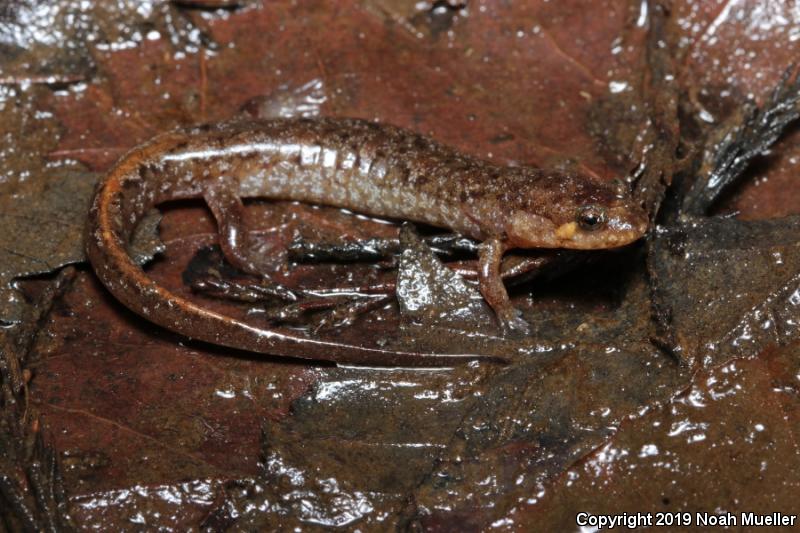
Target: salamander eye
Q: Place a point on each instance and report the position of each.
(591, 217)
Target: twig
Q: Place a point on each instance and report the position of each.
(32, 496)
(759, 130)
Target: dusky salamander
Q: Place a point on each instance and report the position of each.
(370, 168)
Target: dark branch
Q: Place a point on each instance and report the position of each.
(759, 130)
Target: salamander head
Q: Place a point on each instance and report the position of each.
(573, 211)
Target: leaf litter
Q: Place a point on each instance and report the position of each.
(136, 412)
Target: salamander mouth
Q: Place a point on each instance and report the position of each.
(620, 226)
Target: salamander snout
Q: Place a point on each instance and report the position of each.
(603, 227)
(589, 227)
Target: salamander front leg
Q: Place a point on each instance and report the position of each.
(492, 288)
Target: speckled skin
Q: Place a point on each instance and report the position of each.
(363, 166)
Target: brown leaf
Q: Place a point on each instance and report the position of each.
(154, 429)
(728, 444)
(733, 285)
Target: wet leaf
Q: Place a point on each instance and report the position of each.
(728, 444)
(42, 207)
(733, 285)
(43, 204)
(54, 43)
(42, 232)
(155, 429)
(430, 291)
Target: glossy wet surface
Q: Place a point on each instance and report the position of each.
(154, 431)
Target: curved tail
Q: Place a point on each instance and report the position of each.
(121, 199)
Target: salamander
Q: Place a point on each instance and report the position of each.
(370, 168)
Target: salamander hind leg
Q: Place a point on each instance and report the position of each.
(229, 212)
(250, 252)
(493, 289)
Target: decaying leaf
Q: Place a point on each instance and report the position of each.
(54, 43)
(153, 429)
(42, 206)
(431, 292)
(41, 231)
(733, 285)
